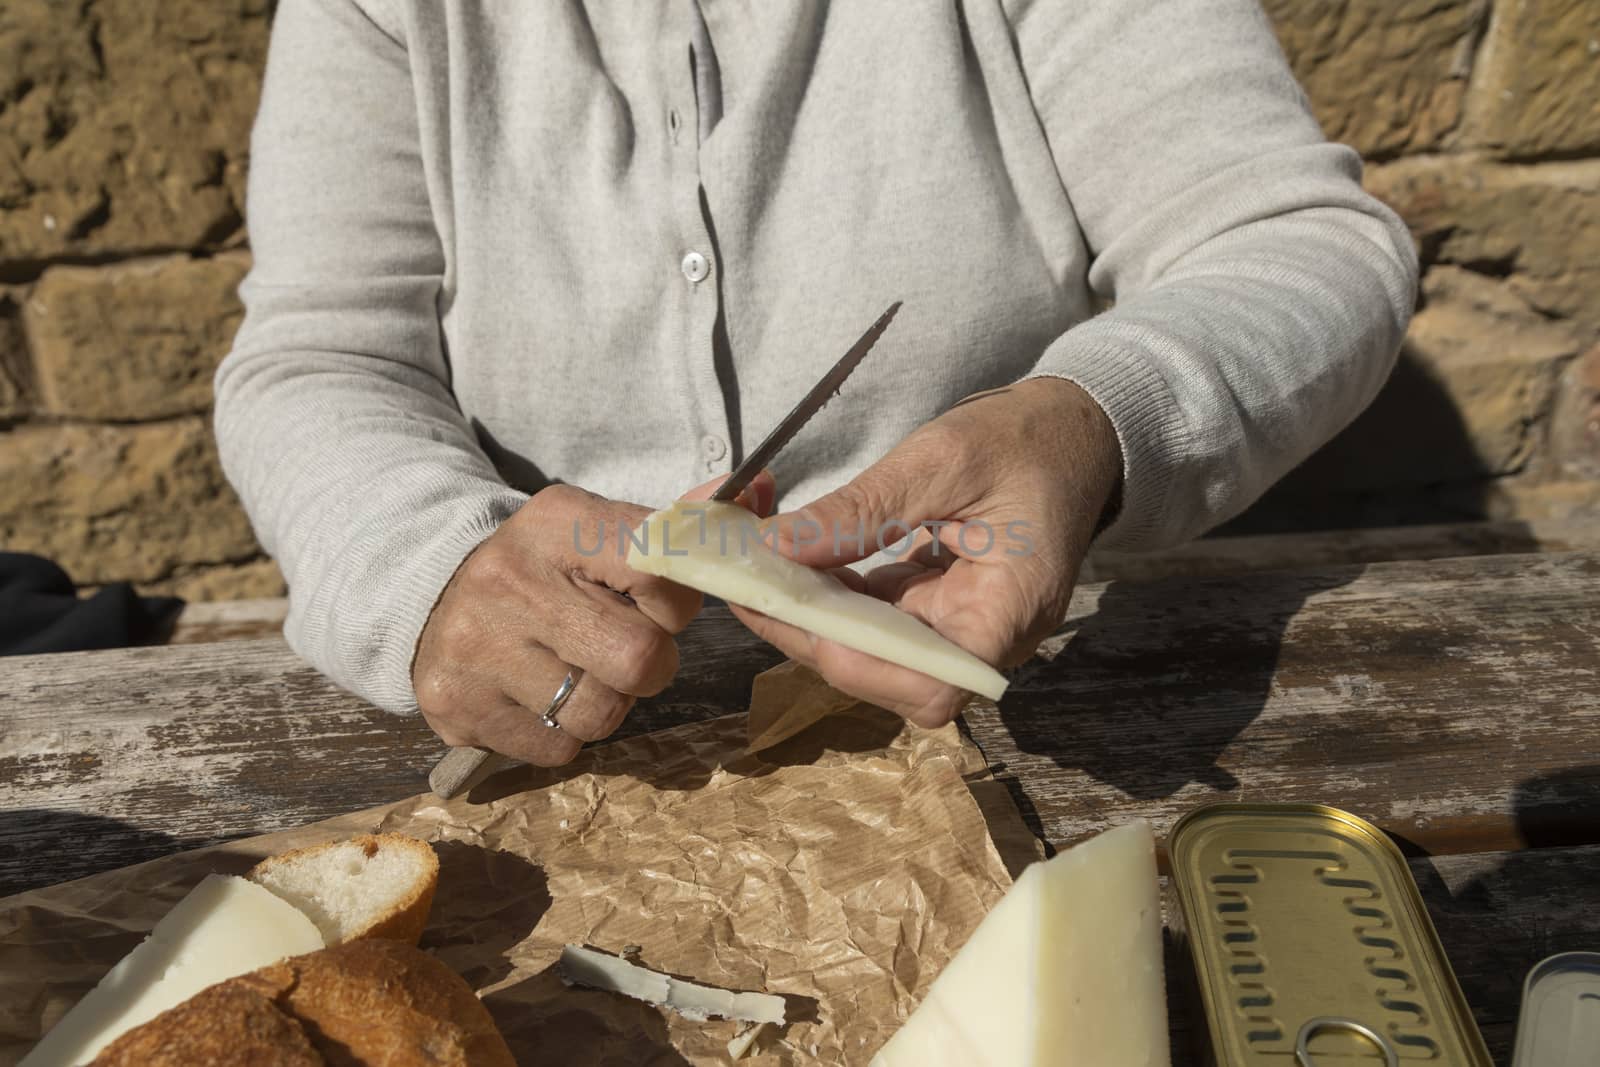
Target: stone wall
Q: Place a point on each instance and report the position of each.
(123, 149)
(124, 135)
(1480, 123)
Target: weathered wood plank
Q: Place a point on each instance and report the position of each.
(1212, 556)
(111, 758)
(1498, 914)
(229, 620)
(1453, 702)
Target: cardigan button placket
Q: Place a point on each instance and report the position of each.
(701, 301)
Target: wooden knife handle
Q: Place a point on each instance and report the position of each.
(463, 768)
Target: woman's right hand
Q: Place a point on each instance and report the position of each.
(548, 591)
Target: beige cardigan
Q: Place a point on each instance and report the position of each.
(500, 243)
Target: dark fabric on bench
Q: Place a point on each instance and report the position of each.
(40, 611)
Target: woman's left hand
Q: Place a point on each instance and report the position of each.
(1004, 492)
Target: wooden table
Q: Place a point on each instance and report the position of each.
(1455, 703)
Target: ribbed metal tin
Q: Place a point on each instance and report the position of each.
(1306, 932)
(1560, 1021)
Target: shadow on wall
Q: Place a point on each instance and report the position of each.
(1408, 459)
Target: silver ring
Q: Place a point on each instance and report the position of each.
(1302, 1045)
(567, 686)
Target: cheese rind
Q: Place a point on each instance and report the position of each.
(225, 927)
(1066, 970)
(718, 549)
(586, 967)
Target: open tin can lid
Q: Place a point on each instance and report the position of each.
(1311, 944)
(1560, 1021)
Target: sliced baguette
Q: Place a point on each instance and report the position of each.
(226, 1023)
(370, 1002)
(368, 886)
(224, 927)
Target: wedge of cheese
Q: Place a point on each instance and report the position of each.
(1066, 970)
(718, 549)
(225, 927)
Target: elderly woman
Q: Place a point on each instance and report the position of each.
(528, 269)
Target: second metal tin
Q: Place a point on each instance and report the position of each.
(1311, 944)
(1560, 1021)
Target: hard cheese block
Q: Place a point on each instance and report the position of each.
(717, 549)
(225, 927)
(1066, 970)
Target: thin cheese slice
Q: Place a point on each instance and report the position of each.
(718, 549)
(586, 967)
(1064, 972)
(225, 927)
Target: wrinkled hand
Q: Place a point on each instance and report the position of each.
(547, 591)
(1022, 475)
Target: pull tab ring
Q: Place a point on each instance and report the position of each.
(1302, 1045)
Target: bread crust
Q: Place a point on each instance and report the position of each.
(406, 921)
(361, 1004)
(226, 1023)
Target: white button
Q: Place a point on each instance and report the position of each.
(673, 122)
(695, 267)
(715, 447)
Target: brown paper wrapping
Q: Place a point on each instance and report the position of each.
(785, 701)
(841, 868)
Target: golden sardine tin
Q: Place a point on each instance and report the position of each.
(1310, 943)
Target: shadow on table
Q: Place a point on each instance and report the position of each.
(1560, 810)
(1152, 687)
(1507, 911)
(545, 1021)
(679, 769)
(488, 902)
(42, 847)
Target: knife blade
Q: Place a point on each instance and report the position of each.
(825, 389)
(462, 768)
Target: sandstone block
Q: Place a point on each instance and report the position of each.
(12, 402)
(1575, 500)
(114, 503)
(252, 579)
(124, 123)
(1385, 76)
(13, 359)
(1537, 88)
(136, 341)
(1539, 225)
(1496, 360)
(1575, 425)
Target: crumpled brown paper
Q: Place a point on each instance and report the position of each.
(841, 868)
(787, 700)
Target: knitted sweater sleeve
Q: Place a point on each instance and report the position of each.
(1259, 294)
(334, 416)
